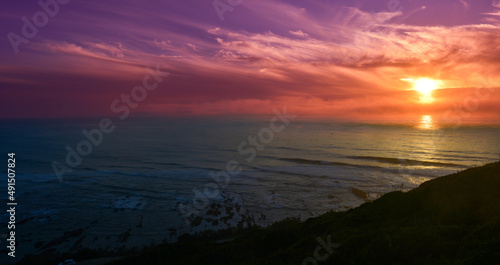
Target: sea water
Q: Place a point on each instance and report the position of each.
(130, 189)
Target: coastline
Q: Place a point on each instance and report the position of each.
(429, 224)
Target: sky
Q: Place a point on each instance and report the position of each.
(339, 60)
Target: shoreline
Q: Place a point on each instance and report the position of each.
(223, 240)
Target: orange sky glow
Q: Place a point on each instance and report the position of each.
(321, 60)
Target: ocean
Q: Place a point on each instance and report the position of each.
(152, 179)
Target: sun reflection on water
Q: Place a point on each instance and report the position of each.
(426, 123)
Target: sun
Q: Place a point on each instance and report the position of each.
(424, 86)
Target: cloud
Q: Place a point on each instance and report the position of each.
(299, 33)
(338, 61)
(464, 3)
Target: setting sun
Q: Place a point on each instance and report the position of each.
(302, 132)
(424, 86)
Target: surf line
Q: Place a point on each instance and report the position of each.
(221, 179)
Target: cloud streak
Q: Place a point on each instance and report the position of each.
(321, 60)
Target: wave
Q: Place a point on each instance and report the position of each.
(327, 163)
(407, 162)
(314, 162)
(119, 172)
(398, 164)
(170, 164)
(290, 172)
(127, 202)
